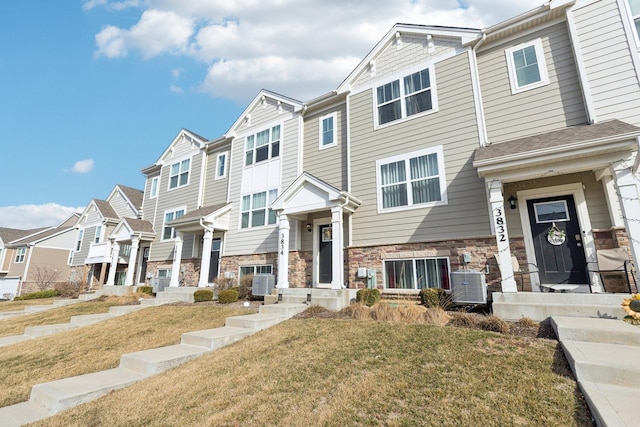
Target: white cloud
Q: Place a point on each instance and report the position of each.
(25, 217)
(176, 89)
(301, 49)
(83, 166)
(87, 5)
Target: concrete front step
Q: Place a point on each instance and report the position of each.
(184, 294)
(63, 394)
(213, 339)
(331, 303)
(603, 363)
(255, 322)
(22, 413)
(37, 308)
(283, 309)
(560, 298)
(65, 302)
(150, 362)
(541, 311)
(10, 314)
(44, 330)
(4, 341)
(89, 319)
(611, 405)
(610, 331)
(154, 302)
(120, 310)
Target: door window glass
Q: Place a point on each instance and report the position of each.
(551, 211)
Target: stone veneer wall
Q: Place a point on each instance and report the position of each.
(191, 268)
(300, 264)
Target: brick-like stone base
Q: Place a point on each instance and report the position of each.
(300, 265)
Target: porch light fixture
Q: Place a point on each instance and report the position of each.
(309, 227)
(512, 201)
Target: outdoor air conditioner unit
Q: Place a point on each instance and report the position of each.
(262, 285)
(468, 287)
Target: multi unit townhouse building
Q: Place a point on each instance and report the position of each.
(445, 148)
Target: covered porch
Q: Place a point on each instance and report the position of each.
(126, 241)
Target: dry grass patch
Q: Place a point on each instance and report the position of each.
(98, 347)
(20, 305)
(342, 372)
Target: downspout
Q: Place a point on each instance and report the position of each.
(475, 77)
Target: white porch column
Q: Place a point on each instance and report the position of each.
(283, 252)
(133, 256)
(115, 251)
(205, 261)
(337, 248)
(496, 200)
(629, 193)
(177, 257)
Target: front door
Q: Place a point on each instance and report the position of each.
(143, 265)
(557, 240)
(215, 260)
(325, 274)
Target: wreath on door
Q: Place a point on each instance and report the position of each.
(555, 236)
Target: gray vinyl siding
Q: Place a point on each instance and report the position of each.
(215, 190)
(553, 106)
(328, 164)
(454, 127)
(122, 206)
(149, 204)
(87, 238)
(605, 48)
(261, 239)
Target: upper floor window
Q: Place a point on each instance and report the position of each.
(221, 165)
(405, 97)
(98, 236)
(154, 187)
(262, 146)
(635, 13)
(79, 240)
(411, 180)
(255, 211)
(179, 174)
(328, 131)
(527, 66)
(20, 254)
(169, 232)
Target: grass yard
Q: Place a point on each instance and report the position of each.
(328, 372)
(19, 305)
(99, 346)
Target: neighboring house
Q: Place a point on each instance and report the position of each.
(108, 237)
(38, 258)
(445, 148)
(9, 283)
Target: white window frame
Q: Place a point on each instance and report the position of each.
(153, 191)
(164, 222)
(97, 238)
(179, 173)
(224, 155)
(270, 196)
(542, 66)
(79, 239)
(255, 267)
(70, 261)
(269, 145)
(438, 150)
(334, 134)
(403, 96)
(415, 270)
(21, 253)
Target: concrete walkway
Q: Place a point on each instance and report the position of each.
(47, 399)
(604, 355)
(30, 309)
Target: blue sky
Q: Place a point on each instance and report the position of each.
(93, 91)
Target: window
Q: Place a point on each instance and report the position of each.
(255, 211)
(635, 14)
(164, 273)
(262, 146)
(98, 236)
(169, 232)
(255, 270)
(527, 67)
(20, 253)
(221, 165)
(405, 97)
(551, 211)
(70, 262)
(411, 180)
(328, 131)
(179, 174)
(418, 273)
(154, 187)
(79, 241)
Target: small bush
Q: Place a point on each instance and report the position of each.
(465, 320)
(435, 297)
(203, 295)
(526, 322)
(358, 311)
(385, 312)
(227, 296)
(68, 289)
(436, 316)
(50, 293)
(145, 290)
(494, 324)
(368, 296)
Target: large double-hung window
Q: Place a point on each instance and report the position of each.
(179, 173)
(169, 232)
(411, 180)
(255, 209)
(417, 273)
(405, 97)
(262, 146)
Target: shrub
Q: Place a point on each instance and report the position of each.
(435, 297)
(494, 324)
(412, 313)
(50, 293)
(68, 289)
(385, 312)
(436, 316)
(368, 296)
(227, 296)
(203, 295)
(358, 311)
(145, 290)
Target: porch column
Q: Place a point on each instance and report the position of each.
(115, 251)
(283, 252)
(177, 257)
(205, 261)
(337, 248)
(629, 194)
(133, 256)
(496, 200)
